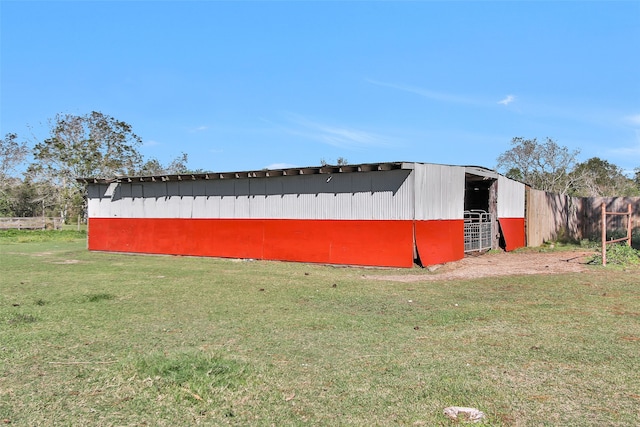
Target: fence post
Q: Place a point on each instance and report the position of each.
(604, 234)
(629, 224)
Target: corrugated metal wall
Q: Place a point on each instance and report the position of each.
(384, 195)
(439, 213)
(510, 198)
(98, 200)
(439, 192)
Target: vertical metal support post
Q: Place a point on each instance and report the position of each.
(604, 234)
(629, 224)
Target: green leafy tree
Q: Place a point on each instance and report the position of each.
(7, 200)
(599, 178)
(27, 200)
(13, 153)
(340, 161)
(94, 145)
(21, 199)
(175, 167)
(543, 165)
(515, 173)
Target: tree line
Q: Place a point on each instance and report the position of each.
(93, 145)
(96, 145)
(550, 167)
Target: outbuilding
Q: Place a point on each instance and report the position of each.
(393, 214)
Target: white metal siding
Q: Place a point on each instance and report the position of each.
(439, 191)
(257, 198)
(199, 199)
(242, 199)
(121, 201)
(224, 193)
(362, 201)
(151, 192)
(273, 198)
(137, 200)
(510, 198)
(380, 195)
(185, 202)
(392, 195)
(171, 207)
(97, 203)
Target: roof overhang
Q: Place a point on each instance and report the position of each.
(265, 173)
(481, 173)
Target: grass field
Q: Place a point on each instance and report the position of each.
(112, 339)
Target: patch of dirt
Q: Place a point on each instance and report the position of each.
(500, 264)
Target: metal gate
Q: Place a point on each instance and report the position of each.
(477, 230)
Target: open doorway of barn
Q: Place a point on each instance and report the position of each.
(481, 231)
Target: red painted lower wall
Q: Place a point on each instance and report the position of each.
(354, 242)
(440, 241)
(513, 232)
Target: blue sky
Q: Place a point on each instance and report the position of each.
(247, 85)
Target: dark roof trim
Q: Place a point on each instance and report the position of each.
(482, 172)
(266, 173)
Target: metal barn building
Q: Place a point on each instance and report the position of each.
(384, 214)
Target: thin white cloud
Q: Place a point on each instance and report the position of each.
(633, 120)
(199, 129)
(150, 143)
(508, 100)
(628, 152)
(337, 136)
(631, 152)
(426, 93)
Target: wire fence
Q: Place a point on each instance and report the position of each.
(31, 223)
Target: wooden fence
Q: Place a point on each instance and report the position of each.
(31, 223)
(553, 217)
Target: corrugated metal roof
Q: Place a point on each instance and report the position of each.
(265, 173)
(479, 171)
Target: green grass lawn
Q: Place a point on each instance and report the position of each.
(112, 339)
